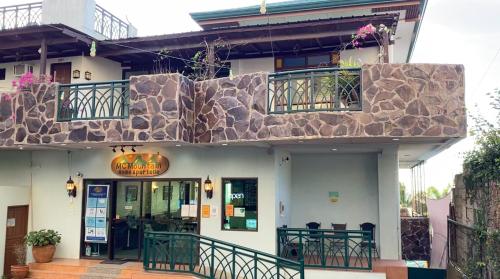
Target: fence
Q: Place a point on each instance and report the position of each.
(23, 15)
(327, 89)
(211, 258)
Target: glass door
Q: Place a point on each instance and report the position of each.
(127, 221)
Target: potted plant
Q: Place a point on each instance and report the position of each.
(20, 270)
(44, 244)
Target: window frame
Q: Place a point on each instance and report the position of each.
(331, 54)
(3, 75)
(223, 206)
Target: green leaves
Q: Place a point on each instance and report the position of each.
(43, 238)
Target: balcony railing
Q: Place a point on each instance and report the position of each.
(17, 16)
(326, 89)
(88, 101)
(109, 25)
(327, 248)
(211, 258)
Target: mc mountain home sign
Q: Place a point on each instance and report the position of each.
(139, 165)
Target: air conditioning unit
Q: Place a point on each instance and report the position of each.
(21, 69)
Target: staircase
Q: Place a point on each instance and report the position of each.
(93, 269)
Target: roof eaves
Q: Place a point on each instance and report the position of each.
(284, 7)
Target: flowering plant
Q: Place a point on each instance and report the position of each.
(370, 31)
(28, 79)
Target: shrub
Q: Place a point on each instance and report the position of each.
(43, 238)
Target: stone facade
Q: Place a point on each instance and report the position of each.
(415, 239)
(398, 100)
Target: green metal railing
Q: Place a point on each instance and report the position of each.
(89, 101)
(210, 258)
(326, 89)
(327, 248)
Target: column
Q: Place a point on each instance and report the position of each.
(388, 200)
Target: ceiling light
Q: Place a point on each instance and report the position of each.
(21, 148)
(301, 141)
(334, 149)
(178, 145)
(224, 144)
(396, 139)
(88, 147)
(63, 144)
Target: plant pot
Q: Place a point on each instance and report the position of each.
(19, 271)
(43, 254)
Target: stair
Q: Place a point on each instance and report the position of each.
(93, 269)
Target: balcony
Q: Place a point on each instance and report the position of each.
(105, 23)
(18, 16)
(418, 102)
(330, 89)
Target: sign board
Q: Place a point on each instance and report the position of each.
(205, 211)
(139, 165)
(96, 213)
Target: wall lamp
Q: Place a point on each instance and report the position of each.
(209, 187)
(88, 75)
(71, 188)
(122, 147)
(76, 74)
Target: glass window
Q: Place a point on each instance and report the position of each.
(239, 204)
(318, 60)
(2, 74)
(294, 62)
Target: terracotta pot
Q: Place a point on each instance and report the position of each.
(19, 271)
(43, 254)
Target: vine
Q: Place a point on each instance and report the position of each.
(481, 179)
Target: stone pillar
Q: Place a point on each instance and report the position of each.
(388, 199)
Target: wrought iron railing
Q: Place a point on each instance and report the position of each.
(326, 89)
(327, 248)
(22, 15)
(211, 258)
(109, 25)
(87, 101)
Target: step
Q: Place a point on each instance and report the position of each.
(51, 274)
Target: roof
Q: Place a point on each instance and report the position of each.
(287, 7)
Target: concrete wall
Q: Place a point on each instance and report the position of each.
(283, 178)
(252, 65)
(15, 188)
(362, 56)
(354, 176)
(53, 209)
(102, 69)
(78, 14)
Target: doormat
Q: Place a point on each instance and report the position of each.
(113, 262)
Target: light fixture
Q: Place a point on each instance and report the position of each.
(334, 149)
(395, 139)
(89, 147)
(133, 148)
(70, 184)
(224, 144)
(122, 149)
(71, 188)
(88, 75)
(178, 145)
(209, 187)
(113, 148)
(76, 74)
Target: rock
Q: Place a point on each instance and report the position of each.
(374, 129)
(33, 125)
(78, 135)
(139, 123)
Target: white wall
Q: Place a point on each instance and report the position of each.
(252, 65)
(52, 208)
(388, 198)
(354, 176)
(283, 178)
(102, 69)
(15, 187)
(362, 56)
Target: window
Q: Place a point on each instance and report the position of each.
(2, 74)
(307, 61)
(239, 204)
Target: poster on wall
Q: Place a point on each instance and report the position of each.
(96, 230)
(333, 196)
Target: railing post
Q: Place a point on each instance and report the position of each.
(145, 260)
(370, 250)
(93, 108)
(346, 249)
(301, 252)
(233, 264)
(75, 108)
(111, 103)
(171, 240)
(278, 252)
(336, 95)
(17, 15)
(153, 250)
(212, 258)
(289, 101)
(312, 99)
(191, 250)
(255, 263)
(322, 248)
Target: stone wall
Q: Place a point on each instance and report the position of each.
(398, 100)
(415, 239)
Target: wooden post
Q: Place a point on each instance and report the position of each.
(385, 43)
(211, 60)
(43, 56)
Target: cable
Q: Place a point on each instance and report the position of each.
(488, 68)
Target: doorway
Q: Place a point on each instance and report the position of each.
(17, 228)
(137, 206)
(61, 72)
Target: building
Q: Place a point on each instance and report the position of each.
(281, 136)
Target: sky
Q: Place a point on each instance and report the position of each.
(453, 32)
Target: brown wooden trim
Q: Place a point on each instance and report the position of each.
(223, 206)
(306, 55)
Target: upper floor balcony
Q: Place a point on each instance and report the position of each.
(417, 102)
(92, 18)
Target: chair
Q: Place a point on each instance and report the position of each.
(364, 243)
(289, 249)
(313, 248)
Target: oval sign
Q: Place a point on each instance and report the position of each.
(139, 165)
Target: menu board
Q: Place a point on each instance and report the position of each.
(96, 212)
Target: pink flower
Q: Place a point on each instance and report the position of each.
(14, 83)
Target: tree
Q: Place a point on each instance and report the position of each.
(404, 199)
(434, 193)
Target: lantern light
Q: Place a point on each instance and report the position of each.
(209, 188)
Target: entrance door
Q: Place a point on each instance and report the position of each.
(17, 228)
(153, 205)
(61, 72)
